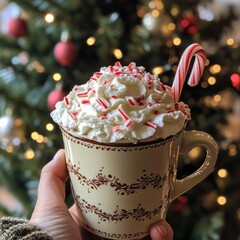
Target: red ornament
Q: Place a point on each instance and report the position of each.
(66, 52)
(235, 79)
(179, 203)
(188, 25)
(17, 27)
(55, 96)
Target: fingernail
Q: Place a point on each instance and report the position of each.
(162, 230)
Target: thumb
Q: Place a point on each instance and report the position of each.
(54, 175)
(161, 231)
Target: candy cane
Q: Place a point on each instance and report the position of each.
(182, 70)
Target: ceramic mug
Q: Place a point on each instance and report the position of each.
(122, 189)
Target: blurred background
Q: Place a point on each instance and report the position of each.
(47, 47)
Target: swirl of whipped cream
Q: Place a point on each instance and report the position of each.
(121, 104)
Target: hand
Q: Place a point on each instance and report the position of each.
(52, 215)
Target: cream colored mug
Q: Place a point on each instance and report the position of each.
(122, 189)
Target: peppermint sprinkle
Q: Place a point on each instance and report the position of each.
(103, 102)
(73, 115)
(131, 101)
(116, 129)
(151, 124)
(85, 101)
(128, 123)
(66, 100)
(123, 114)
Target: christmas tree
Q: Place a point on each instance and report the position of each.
(47, 47)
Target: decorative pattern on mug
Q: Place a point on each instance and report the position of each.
(154, 180)
(138, 213)
(114, 235)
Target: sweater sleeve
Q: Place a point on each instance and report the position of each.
(15, 229)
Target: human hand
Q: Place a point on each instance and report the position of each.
(52, 215)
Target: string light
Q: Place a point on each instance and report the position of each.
(49, 17)
(29, 154)
(57, 77)
(34, 135)
(38, 66)
(117, 53)
(39, 138)
(194, 153)
(222, 173)
(177, 41)
(174, 11)
(158, 70)
(211, 80)
(91, 41)
(216, 68)
(230, 41)
(9, 149)
(155, 13)
(217, 98)
(232, 150)
(221, 200)
(49, 127)
(204, 84)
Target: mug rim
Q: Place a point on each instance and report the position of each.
(122, 144)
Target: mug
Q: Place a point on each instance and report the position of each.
(121, 189)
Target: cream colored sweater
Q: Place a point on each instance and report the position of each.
(20, 229)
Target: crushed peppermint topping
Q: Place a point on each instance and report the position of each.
(121, 103)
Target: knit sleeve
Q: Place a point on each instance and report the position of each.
(16, 229)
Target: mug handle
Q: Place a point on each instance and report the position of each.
(190, 140)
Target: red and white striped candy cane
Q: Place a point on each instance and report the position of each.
(198, 66)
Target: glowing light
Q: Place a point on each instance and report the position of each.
(49, 18)
(171, 26)
(211, 80)
(57, 77)
(177, 41)
(141, 12)
(217, 98)
(34, 135)
(117, 53)
(29, 154)
(216, 68)
(232, 150)
(91, 41)
(222, 173)
(175, 11)
(230, 41)
(221, 200)
(158, 70)
(194, 153)
(9, 149)
(155, 13)
(204, 84)
(235, 79)
(49, 127)
(38, 66)
(40, 138)
(152, 4)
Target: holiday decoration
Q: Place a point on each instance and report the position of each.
(235, 79)
(179, 203)
(17, 27)
(188, 24)
(6, 124)
(55, 96)
(11, 131)
(66, 52)
(182, 70)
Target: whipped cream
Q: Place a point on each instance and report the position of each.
(121, 104)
